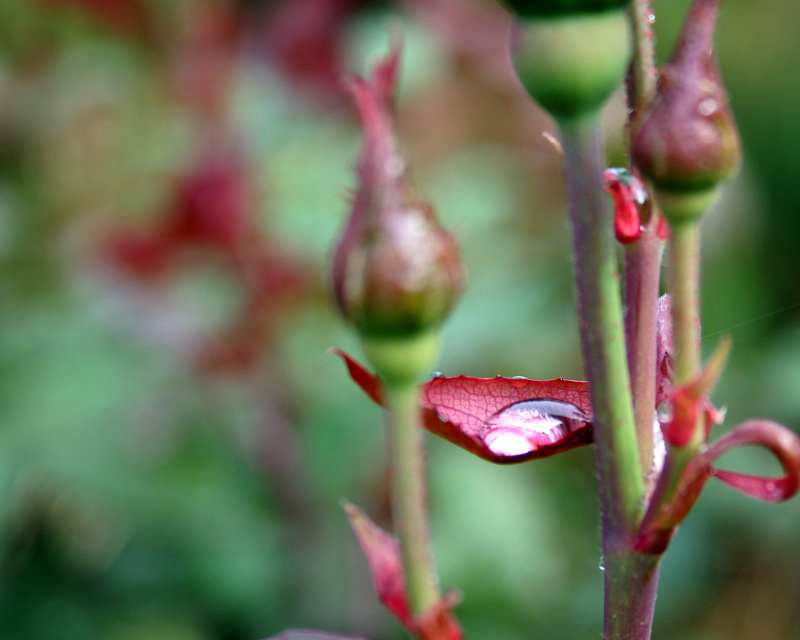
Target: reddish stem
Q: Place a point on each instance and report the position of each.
(642, 274)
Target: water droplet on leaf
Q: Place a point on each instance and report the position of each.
(526, 426)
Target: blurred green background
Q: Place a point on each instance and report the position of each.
(175, 439)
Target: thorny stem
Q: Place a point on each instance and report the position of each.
(630, 578)
(642, 272)
(409, 510)
(642, 258)
(601, 326)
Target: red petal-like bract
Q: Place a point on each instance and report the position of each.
(383, 556)
(504, 420)
(627, 223)
(690, 401)
(658, 527)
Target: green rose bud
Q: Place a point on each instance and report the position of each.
(570, 63)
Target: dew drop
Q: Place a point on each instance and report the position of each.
(507, 442)
(437, 374)
(526, 426)
(651, 18)
(708, 106)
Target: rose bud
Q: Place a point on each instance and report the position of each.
(688, 142)
(396, 272)
(570, 55)
(526, 8)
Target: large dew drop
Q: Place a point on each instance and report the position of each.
(529, 425)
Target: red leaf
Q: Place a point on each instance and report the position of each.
(660, 522)
(369, 382)
(626, 192)
(503, 420)
(659, 526)
(383, 556)
(782, 442)
(690, 401)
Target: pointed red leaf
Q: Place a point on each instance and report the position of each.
(369, 382)
(383, 555)
(690, 401)
(504, 420)
(438, 623)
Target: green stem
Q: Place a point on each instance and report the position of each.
(631, 579)
(408, 496)
(601, 326)
(684, 285)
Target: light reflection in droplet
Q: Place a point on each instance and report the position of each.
(708, 107)
(526, 426)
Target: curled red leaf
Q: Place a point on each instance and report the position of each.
(383, 556)
(627, 192)
(504, 420)
(659, 524)
(784, 445)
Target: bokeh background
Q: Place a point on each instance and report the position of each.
(175, 439)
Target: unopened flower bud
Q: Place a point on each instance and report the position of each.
(397, 272)
(570, 55)
(527, 8)
(688, 142)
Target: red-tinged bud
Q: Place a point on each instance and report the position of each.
(396, 272)
(688, 142)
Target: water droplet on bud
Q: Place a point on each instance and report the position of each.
(708, 107)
